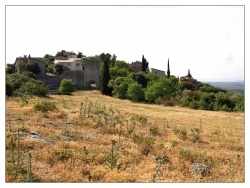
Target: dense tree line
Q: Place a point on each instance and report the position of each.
(118, 80)
(150, 88)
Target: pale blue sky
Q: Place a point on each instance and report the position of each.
(208, 40)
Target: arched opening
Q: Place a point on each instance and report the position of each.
(92, 84)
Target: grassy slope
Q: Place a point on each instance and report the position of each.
(221, 146)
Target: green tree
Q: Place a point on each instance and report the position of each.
(120, 86)
(105, 76)
(144, 65)
(59, 69)
(135, 92)
(60, 53)
(158, 89)
(33, 67)
(34, 87)
(66, 86)
(141, 78)
(10, 68)
(119, 69)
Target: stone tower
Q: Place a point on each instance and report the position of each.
(92, 74)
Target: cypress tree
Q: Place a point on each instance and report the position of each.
(168, 72)
(144, 65)
(105, 89)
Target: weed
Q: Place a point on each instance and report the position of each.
(165, 124)
(85, 150)
(81, 115)
(63, 154)
(153, 130)
(96, 111)
(186, 154)
(16, 156)
(131, 127)
(181, 133)
(160, 160)
(29, 176)
(140, 118)
(24, 101)
(196, 134)
(112, 159)
(145, 143)
(217, 133)
(174, 143)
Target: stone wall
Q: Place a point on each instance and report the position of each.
(92, 73)
(83, 79)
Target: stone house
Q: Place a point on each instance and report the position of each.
(136, 66)
(19, 67)
(74, 64)
(157, 72)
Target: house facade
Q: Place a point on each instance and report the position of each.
(74, 64)
(157, 72)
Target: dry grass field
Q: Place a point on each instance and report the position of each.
(88, 137)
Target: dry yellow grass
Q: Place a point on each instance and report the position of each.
(73, 148)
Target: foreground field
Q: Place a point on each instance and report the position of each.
(87, 137)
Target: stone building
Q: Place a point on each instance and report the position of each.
(157, 72)
(88, 77)
(21, 61)
(74, 64)
(136, 66)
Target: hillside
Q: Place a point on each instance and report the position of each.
(230, 86)
(88, 137)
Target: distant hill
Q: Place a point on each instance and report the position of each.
(230, 86)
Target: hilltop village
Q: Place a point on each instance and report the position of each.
(136, 81)
(85, 72)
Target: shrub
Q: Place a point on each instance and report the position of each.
(16, 80)
(135, 92)
(66, 86)
(45, 106)
(34, 87)
(29, 74)
(9, 89)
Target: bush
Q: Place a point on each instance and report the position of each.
(45, 106)
(9, 89)
(29, 74)
(33, 67)
(66, 86)
(16, 80)
(59, 69)
(34, 87)
(120, 86)
(135, 92)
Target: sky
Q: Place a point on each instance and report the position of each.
(208, 40)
